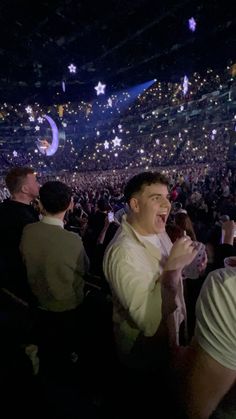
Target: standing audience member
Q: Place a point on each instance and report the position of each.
(144, 272)
(55, 258)
(55, 262)
(15, 214)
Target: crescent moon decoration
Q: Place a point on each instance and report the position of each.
(49, 151)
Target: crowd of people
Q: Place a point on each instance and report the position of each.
(159, 127)
(148, 242)
(113, 272)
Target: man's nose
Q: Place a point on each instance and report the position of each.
(165, 202)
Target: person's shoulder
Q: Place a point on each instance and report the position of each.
(32, 226)
(123, 247)
(222, 279)
(71, 235)
(5, 205)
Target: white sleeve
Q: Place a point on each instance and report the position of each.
(216, 317)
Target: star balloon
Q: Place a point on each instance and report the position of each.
(116, 141)
(40, 120)
(100, 88)
(37, 128)
(15, 154)
(31, 118)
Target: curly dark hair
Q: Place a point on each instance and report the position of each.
(137, 182)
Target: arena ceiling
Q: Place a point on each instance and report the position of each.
(120, 42)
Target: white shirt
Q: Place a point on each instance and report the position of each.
(133, 266)
(216, 317)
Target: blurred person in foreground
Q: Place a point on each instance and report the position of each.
(208, 365)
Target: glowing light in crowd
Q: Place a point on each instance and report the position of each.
(116, 141)
(72, 68)
(40, 120)
(37, 128)
(100, 88)
(106, 145)
(109, 102)
(157, 141)
(63, 85)
(15, 154)
(185, 85)
(98, 133)
(192, 24)
(28, 109)
(31, 118)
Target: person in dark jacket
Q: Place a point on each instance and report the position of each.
(15, 214)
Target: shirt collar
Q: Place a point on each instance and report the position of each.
(126, 226)
(52, 221)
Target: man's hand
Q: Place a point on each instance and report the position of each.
(182, 253)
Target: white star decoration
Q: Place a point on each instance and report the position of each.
(40, 120)
(100, 88)
(72, 68)
(116, 141)
(106, 145)
(31, 118)
(28, 109)
(15, 154)
(37, 128)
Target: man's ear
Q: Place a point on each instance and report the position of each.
(134, 205)
(24, 189)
